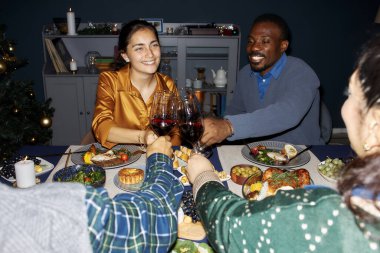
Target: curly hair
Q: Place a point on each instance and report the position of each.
(368, 66)
(361, 173)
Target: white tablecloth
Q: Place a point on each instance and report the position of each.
(229, 156)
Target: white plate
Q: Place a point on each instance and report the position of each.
(300, 160)
(330, 179)
(129, 187)
(46, 167)
(78, 157)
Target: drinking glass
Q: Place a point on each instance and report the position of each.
(163, 114)
(190, 119)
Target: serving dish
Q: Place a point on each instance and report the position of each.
(129, 187)
(45, 165)
(276, 146)
(77, 158)
(332, 179)
(86, 172)
(274, 179)
(240, 172)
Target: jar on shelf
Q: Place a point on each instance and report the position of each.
(90, 61)
(166, 69)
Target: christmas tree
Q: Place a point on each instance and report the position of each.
(24, 120)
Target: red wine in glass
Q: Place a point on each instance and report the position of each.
(190, 119)
(192, 131)
(162, 126)
(163, 114)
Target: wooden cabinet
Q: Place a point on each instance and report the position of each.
(73, 96)
(73, 99)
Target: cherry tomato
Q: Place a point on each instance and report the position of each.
(124, 157)
(87, 180)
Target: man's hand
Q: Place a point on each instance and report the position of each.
(216, 130)
(196, 165)
(161, 145)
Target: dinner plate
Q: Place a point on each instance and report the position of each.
(276, 145)
(129, 187)
(46, 167)
(67, 174)
(78, 157)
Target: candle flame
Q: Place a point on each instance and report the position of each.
(26, 158)
(70, 9)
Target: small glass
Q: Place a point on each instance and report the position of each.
(90, 60)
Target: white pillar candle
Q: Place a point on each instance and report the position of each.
(73, 65)
(71, 23)
(25, 174)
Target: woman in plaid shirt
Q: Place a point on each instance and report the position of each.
(69, 217)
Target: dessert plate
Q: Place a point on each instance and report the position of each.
(129, 187)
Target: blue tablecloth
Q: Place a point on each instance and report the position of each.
(320, 151)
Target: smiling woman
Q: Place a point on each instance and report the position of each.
(124, 97)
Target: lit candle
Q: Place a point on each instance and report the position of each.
(73, 66)
(71, 23)
(25, 174)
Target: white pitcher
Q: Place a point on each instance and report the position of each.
(220, 77)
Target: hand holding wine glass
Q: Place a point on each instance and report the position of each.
(163, 114)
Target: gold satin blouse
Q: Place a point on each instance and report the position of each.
(119, 103)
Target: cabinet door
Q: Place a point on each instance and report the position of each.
(67, 100)
(90, 86)
(208, 53)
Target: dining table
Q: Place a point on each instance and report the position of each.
(223, 157)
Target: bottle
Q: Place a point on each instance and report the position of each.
(166, 69)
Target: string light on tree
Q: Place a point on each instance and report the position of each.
(46, 122)
(24, 120)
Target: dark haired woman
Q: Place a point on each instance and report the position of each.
(315, 219)
(125, 96)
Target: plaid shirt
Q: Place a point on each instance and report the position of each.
(141, 221)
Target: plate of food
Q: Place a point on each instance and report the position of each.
(330, 169)
(275, 154)
(87, 174)
(118, 156)
(130, 178)
(41, 167)
(274, 179)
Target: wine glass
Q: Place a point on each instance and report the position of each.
(163, 114)
(190, 119)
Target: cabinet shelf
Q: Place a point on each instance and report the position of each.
(74, 95)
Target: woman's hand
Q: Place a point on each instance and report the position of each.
(160, 145)
(149, 137)
(196, 165)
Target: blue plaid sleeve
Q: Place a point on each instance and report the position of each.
(141, 221)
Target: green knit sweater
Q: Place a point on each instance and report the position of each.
(291, 221)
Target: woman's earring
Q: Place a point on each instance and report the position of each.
(366, 147)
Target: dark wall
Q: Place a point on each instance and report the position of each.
(326, 34)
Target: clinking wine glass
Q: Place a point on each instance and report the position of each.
(190, 119)
(163, 114)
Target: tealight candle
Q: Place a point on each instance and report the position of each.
(25, 174)
(71, 23)
(73, 66)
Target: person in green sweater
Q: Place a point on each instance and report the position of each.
(316, 218)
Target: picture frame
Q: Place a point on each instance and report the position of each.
(156, 22)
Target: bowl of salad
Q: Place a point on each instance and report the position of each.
(85, 174)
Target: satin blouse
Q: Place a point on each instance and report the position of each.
(120, 104)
